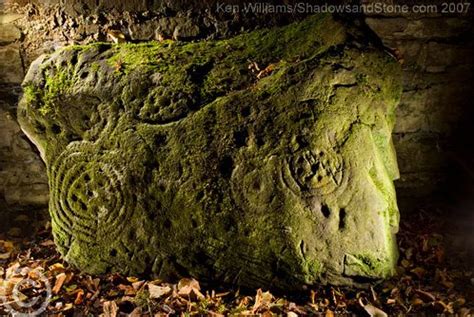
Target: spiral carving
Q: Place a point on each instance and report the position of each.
(89, 200)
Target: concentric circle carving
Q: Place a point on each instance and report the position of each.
(318, 171)
(89, 199)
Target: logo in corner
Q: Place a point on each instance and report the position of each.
(25, 292)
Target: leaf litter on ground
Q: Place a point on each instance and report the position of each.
(426, 284)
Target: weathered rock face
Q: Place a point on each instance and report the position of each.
(181, 159)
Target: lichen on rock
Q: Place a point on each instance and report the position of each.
(261, 160)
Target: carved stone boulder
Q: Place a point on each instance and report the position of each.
(261, 160)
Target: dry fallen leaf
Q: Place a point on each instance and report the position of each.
(405, 263)
(158, 291)
(127, 289)
(329, 313)
(409, 253)
(417, 301)
(4, 256)
(60, 279)
(426, 296)
(68, 306)
(6, 247)
(372, 310)
(47, 243)
(419, 272)
(464, 312)
(56, 268)
(267, 71)
(132, 279)
(12, 270)
(443, 279)
(188, 287)
(137, 312)
(110, 309)
(262, 300)
(188, 282)
(313, 295)
(442, 307)
(79, 297)
(137, 285)
(10, 285)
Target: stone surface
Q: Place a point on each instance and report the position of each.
(9, 33)
(10, 64)
(23, 180)
(185, 29)
(144, 31)
(182, 28)
(423, 110)
(419, 28)
(186, 159)
(7, 18)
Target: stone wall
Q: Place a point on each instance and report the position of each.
(23, 181)
(432, 118)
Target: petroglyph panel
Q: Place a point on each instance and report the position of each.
(175, 159)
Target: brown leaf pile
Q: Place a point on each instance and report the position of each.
(426, 284)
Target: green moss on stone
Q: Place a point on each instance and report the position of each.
(178, 159)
